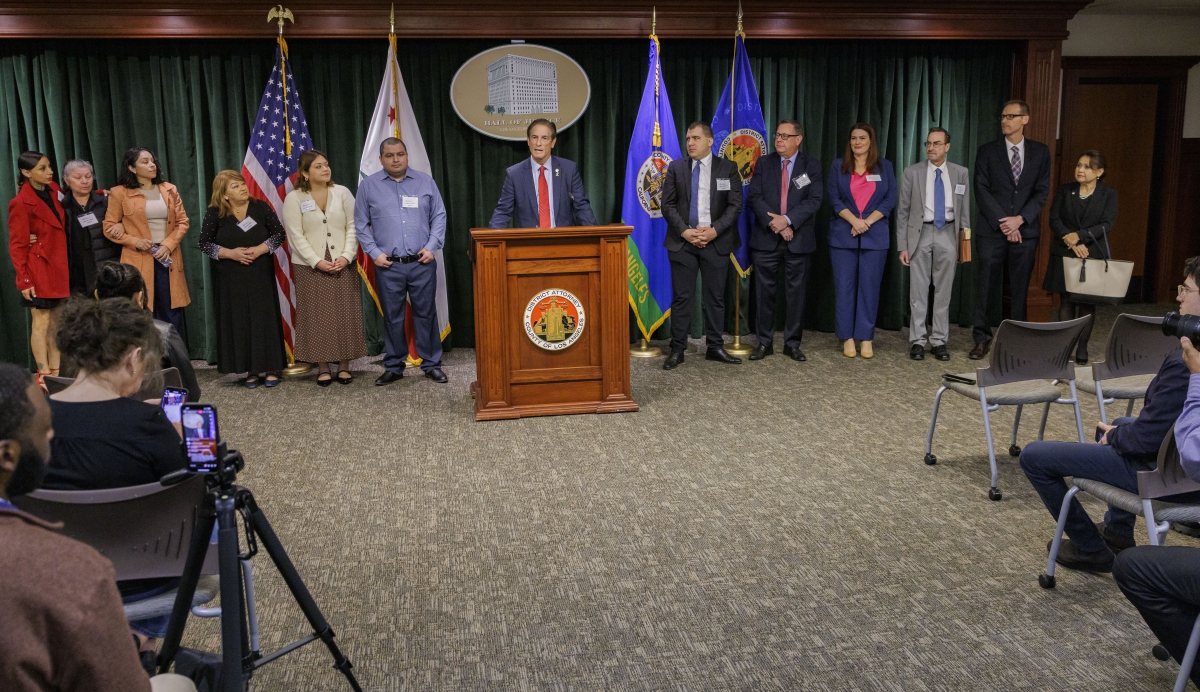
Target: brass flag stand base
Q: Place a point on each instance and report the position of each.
(645, 350)
(297, 369)
(737, 348)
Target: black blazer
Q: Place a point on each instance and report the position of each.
(1090, 218)
(998, 196)
(803, 202)
(724, 205)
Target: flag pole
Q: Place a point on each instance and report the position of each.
(644, 349)
(737, 348)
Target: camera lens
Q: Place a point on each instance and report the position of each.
(1175, 324)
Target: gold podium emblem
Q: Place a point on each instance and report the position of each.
(554, 319)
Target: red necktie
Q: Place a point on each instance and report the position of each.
(783, 189)
(543, 199)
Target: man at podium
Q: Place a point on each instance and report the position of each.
(544, 191)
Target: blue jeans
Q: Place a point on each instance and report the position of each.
(155, 627)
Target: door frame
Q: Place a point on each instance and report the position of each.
(1164, 237)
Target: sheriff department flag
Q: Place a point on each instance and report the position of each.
(393, 117)
(739, 129)
(653, 146)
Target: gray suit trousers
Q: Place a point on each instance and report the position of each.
(933, 260)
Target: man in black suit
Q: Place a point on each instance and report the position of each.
(1012, 181)
(701, 200)
(784, 195)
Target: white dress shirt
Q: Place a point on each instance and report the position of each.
(703, 202)
(549, 184)
(1008, 149)
(930, 179)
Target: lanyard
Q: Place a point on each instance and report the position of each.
(5, 504)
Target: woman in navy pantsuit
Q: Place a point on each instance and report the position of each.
(862, 189)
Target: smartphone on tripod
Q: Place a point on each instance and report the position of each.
(200, 436)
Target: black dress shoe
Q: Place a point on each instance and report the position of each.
(761, 351)
(917, 352)
(979, 352)
(437, 375)
(387, 377)
(721, 356)
(1072, 558)
(1115, 541)
(940, 352)
(673, 360)
(794, 353)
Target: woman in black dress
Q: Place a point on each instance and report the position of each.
(1082, 215)
(241, 234)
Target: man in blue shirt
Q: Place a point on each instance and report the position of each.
(401, 221)
(1128, 446)
(1163, 583)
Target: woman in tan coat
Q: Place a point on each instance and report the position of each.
(146, 216)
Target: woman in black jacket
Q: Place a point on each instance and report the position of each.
(87, 246)
(1082, 215)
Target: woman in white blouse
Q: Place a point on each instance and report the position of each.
(319, 218)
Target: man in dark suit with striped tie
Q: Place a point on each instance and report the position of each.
(543, 191)
(701, 200)
(1012, 181)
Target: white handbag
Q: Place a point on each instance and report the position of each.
(1097, 281)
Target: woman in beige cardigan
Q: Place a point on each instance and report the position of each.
(319, 218)
(146, 216)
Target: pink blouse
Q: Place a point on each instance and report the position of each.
(862, 190)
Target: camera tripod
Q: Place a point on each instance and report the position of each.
(222, 504)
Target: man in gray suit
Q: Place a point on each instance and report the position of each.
(935, 204)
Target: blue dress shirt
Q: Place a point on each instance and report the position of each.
(1187, 430)
(386, 227)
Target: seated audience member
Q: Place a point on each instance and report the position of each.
(61, 622)
(125, 281)
(1128, 446)
(103, 438)
(1161, 581)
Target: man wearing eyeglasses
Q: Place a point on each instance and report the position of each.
(785, 194)
(1012, 181)
(934, 205)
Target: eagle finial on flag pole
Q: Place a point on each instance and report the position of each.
(281, 13)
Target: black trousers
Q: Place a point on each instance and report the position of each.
(713, 268)
(995, 256)
(766, 274)
(1163, 583)
(1068, 310)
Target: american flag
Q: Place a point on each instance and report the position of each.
(278, 136)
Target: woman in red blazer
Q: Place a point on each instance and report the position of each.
(37, 242)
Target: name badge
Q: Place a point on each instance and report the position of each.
(874, 178)
(410, 201)
(307, 206)
(960, 189)
(801, 181)
(88, 219)
(247, 223)
(723, 184)
(61, 197)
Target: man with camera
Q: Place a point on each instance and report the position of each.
(1164, 582)
(1127, 446)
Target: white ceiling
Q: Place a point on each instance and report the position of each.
(1161, 7)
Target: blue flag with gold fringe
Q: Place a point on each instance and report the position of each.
(653, 146)
(740, 135)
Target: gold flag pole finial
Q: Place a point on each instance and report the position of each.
(281, 13)
(740, 17)
(392, 20)
(653, 21)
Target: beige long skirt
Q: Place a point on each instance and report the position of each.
(329, 325)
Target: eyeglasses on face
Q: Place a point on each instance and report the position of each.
(1180, 290)
(784, 135)
(934, 144)
(1011, 116)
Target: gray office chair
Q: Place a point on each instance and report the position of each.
(1135, 350)
(145, 531)
(1165, 480)
(1029, 360)
(152, 386)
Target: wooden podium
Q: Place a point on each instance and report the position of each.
(551, 321)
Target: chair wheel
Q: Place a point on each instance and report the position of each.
(994, 494)
(1046, 581)
(1160, 652)
(1014, 451)
(930, 459)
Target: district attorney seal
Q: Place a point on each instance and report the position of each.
(554, 319)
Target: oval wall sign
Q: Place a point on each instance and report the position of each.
(501, 90)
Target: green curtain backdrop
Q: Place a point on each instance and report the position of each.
(192, 102)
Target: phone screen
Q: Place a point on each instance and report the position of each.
(200, 436)
(172, 403)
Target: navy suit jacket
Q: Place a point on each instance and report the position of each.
(878, 236)
(803, 202)
(724, 206)
(998, 196)
(518, 198)
(1141, 438)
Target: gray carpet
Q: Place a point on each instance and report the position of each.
(763, 526)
